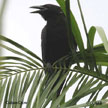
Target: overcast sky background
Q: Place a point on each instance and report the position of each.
(25, 28)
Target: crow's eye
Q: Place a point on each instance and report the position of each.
(61, 12)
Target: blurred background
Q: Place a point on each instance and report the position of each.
(19, 25)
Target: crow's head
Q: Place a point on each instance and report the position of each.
(48, 11)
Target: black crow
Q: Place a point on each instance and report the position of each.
(54, 38)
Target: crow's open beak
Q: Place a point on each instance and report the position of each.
(39, 9)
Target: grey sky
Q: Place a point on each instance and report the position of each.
(25, 28)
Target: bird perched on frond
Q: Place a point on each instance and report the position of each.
(54, 39)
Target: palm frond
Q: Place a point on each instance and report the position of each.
(22, 77)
